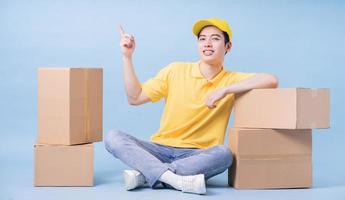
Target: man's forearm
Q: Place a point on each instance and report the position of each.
(261, 80)
(132, 84)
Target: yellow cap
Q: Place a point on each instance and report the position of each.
(219, 23)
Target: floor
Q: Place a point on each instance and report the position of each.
(17, 181)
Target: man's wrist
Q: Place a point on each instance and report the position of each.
(228, 90)
(127, 58)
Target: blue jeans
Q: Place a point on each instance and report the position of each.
(152, 159)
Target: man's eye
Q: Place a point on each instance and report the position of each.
(215, 38)
(201, 39)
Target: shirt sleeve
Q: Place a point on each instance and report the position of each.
(157, 87)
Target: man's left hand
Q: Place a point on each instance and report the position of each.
(213, 97)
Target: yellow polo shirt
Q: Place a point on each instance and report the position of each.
(187, 121)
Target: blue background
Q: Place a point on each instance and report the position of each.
(302, 42)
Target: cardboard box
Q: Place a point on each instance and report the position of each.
(70, 104)
(267, 158)
(60, 165)
(287, 108)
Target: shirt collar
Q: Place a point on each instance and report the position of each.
(196, 71)
(197, 74)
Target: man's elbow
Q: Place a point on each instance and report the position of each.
(274, 82)
(132, 101)
(139, 99)
(271, 81)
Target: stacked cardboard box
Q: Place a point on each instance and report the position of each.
(272, 137)
(70, 104)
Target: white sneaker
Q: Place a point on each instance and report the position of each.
(133, 179)
(194, 184)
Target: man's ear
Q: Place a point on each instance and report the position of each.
(229, 45)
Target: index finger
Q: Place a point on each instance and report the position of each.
(121, 30)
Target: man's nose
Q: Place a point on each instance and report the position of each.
(208, 43)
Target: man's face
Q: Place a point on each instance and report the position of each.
(211, 45)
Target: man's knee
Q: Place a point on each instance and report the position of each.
(220, 157)
(224, 154)
(114, 139)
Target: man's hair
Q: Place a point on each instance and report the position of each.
(226, 37)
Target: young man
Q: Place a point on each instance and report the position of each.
(188, 147)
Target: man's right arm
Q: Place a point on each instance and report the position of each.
(135, 94)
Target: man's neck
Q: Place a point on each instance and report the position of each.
(209, 71)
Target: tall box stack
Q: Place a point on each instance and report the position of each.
(70, 103)
(272, 137)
